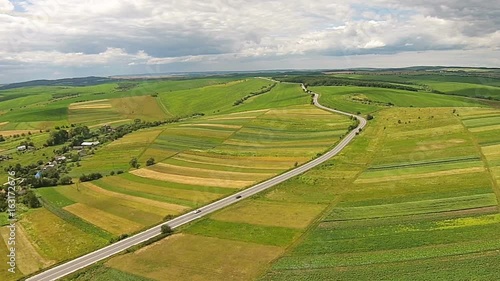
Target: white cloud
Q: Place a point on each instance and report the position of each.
(6, 6)
(132, 33)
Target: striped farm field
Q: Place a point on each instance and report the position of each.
(485, 126)
(109, 222)
(214, 182)
(426, 197)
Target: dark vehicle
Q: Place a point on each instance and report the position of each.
(238, 197)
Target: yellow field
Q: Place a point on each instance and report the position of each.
(212, 174)
(28, 259)
(423, 175)
(9, 133)
(165, 207)
(94, 104)
(197, 258)
(146, 173)
(138, 138)
(145, 107)
(109, 123)
(191, 195)
(484, 128)
(138, 211)
(241, 162)
(55, 239)
(212, 125)
(111, 223)
(283, 214)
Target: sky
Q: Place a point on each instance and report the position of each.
(49, 39)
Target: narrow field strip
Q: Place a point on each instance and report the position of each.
(207, 173)
(146, 173)
(109, 222)
(402, 176)
(28, 258)
(240, 161)
(226, 126)
(485, 128)
(424, 163)
(269, 213)
(142, 180)
(188, 197)
(414, 207)
(147, 202)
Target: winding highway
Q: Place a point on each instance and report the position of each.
(115, 248)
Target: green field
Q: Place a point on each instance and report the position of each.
(413, 197)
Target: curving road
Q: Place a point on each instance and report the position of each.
(91, 258)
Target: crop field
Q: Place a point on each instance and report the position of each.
(367, 100)
(55, 239)
(210, 99)
(414, 196)
(389, 221)
(220, 259)
(197, 161)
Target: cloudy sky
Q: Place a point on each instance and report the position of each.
(68, 38)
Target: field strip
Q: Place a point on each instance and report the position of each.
(491, 150)
(413, 207)
(429, 131)
(425, 175)
(91, 106)
(29, 258)
(109, 222)
(7, 133)
(212, 125)
(108, 123)
(250, 162)
(484, 128)
(145, 173)
(180, 158)
(234, 118)
(148, 202)
(422, 163)
(250, 111)
(212, 173)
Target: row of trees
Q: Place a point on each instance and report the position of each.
(252, 94)
(336, 81)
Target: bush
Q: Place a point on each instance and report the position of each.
(166, 229)
(66, 180)
(150, 161)
(90, 177)
(119, 172)
(369, 117)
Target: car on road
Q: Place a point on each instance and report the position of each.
(197, 211)
(238, 197)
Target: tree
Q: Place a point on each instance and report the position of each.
(151, 161)
(369, 117)
(134, 163)
(166, 229)
(2, 138)
(31, 200)
(66, 180)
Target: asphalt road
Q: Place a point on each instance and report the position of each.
(91, 258)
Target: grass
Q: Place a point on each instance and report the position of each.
(268, 213)
(220, 259)
(210, 99)
(393, 215)
(368, 100)
(103, 273)
(55, 239)
(259, 234)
